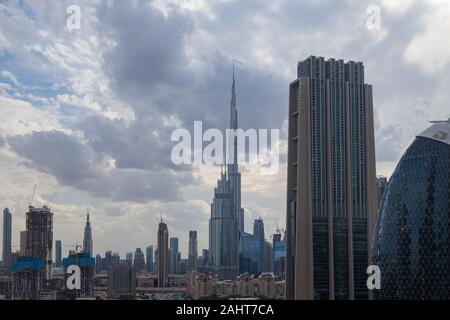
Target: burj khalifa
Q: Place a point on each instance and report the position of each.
(227, 216)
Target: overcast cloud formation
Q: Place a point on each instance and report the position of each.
(89, 113)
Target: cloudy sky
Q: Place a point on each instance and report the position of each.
(89, 113)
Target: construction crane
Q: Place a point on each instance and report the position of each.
(51, 199)
(32, 196)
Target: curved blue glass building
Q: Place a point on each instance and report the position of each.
(411, 242)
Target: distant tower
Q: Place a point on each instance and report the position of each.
(162, 255)
(149, 258)
(7, 224)
(193, 250)
(258, 229)
(139, 260)
(174, 256)
(381, 186)
(23, 243)
(87, 242)
(58, 253)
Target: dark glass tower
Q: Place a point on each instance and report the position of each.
(411, 243)
(7, 227)
(58, 253)
(331, 187)
(193, 250)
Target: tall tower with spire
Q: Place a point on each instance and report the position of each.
(88, 245)
(227, 217)
(233, 168)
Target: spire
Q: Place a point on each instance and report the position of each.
(88, 217)
(233, 119)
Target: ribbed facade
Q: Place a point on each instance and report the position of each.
(331, 192)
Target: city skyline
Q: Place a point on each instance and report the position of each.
(65, 94)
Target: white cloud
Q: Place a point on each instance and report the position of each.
(430, 48)
(20, 117)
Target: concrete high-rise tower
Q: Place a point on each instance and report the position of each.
(88, 244)
(7, 230)
(193, 250)
(162, 255)
(331, 181)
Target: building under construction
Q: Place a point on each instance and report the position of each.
(39, 237)
(27, 278)
(86, 263)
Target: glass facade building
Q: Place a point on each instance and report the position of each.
(7, 227)
(251, 256)
(411, 243)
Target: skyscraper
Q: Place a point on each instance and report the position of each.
(381, 186)
(129, 258)
(233, 168)
(87, 240)
(193, 253)
(279, 254)
(223, 232)
(121, 281)
(227, 216)
(139, 260)
(258, 233)
(258, 229)
(174, 244)
(7, 229)
(174, 256)
(411, 241)
(99, 264)
(331, 187)
(149, 258)
(162, 255)
(23, 243)
(39, 223)
(251, 255)
(58, 253)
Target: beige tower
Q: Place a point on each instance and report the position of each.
(331, 182)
